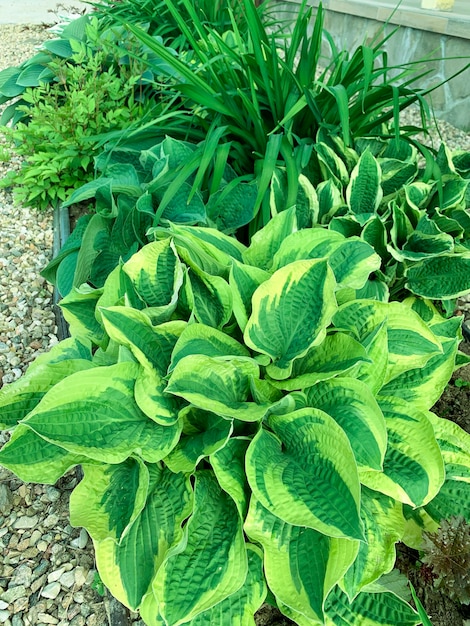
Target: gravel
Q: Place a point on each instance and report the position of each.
(47, 568)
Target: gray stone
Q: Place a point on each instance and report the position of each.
(6, 499)
(12, 594)
(17, 620)
(67, 579)
(4, 615)
(26, 521)
(51, 590)
(23, 576)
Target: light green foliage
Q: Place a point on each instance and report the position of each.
(416, 220)
(248, 444)
(64, 120)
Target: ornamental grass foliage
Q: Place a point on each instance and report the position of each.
(259, 329)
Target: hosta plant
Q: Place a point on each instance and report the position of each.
(243, 425)
(416, 216)
(140, 189)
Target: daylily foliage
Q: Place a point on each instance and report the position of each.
(245, 423)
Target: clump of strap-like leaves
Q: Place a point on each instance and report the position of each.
(244, 425)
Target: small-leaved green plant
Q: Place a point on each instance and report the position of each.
(240, 430)
(64, 120)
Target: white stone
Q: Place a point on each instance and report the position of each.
(26, 522)
(51, 590)
(55, 575)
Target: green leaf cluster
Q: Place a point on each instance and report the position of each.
(244, 425)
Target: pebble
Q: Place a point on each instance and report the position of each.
(51, 590)
(26, 521)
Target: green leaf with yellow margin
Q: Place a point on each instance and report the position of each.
(353, 406)
(291, 312)
(384, 525)
(210, 563)
(94, 413)
(220, 385)
(129, 567)
(296, 473)
(35, 460)
(157, 275)
(301, 565)
(109, 498)
(413, 467)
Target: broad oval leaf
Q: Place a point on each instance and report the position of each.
(128, 568)
(202, 339)
(301, 564)
(94, 413)
(413, 466)
(291, 312)
(210, 564)
(438, 278)
(364, 193)
(299, 475)
(353, 406)
(35, 460)
(157, 274)
(218, 385)
(109, 498)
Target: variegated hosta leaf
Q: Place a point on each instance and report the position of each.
(109, 498)
(203, 434)
(426, 241)
(150, 397)
(205, 248)
(212, 298)
(94, 413)
(267, 241)
(384, 525)
(372, 372)
(440, 278)
(413, 467)
(228, 464)
(297, 474)
(309, 243)
(151, 345)
(291, 312)
(410, 341)
(418, 521)
(331, 165)
(244, 281)
(301, 564)
(210, 563)
(353, 262)
(78, 308)
(454, 496)
(157, 275)
(22, 396)
(418, 194)
(239, 608)
(369, 609)
(353, 406)
(35, 460)
(129, 567)
(202, 339)
(337, 354)
(395, 174)
(218, 385)
(364, 193)
(329, 200)
(423, 386)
